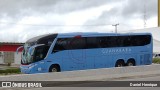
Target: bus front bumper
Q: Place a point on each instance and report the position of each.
(27, 69)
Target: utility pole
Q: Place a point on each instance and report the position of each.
(158, 13)
(115, 25)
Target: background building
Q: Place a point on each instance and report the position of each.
(8, 52)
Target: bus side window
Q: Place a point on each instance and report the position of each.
(77, 43)
(92, 42)
(41, 52)
(69, 44)
(60, 45)
(139, 40)
(106, 42)
(103, 42)
(127, 41)
(120, 41)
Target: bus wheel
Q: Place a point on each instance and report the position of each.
(120, 63)
(131, 63)
(54, 68)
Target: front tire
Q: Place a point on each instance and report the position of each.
(54, 68)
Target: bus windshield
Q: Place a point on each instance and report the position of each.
(36, 48)
(26, 56)
(37, 53)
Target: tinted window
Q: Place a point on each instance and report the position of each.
(140, 40)
(42, 39)
(101, 42)
(124, 41)
(61, 44)
(78, 43)
(69, 44)
(92, 42)
(108, 41)
(40, 52)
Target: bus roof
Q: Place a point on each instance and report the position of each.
(82, 34)
(88, 34)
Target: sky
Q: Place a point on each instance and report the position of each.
(21, 20)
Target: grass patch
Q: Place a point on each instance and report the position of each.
(156, 60)
(10, 71)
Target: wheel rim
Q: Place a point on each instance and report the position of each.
(130, 64)
(54, 70)
(120, 65)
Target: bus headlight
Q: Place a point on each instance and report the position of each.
(31, 66)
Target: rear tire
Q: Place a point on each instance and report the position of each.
(54, 68)
(120, 63)
(131, 63)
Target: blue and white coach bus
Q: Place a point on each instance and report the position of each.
(80, 51)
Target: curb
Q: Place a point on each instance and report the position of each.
(88, 75)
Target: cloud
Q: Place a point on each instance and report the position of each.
(16, 7)
(129, 14)
(23, 19)
(136, 7)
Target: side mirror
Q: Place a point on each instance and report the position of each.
(19, 49)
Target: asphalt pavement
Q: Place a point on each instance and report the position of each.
(126, 74)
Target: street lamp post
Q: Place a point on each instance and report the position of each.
(115, 25)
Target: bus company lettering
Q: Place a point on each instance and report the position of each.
(120, 50)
